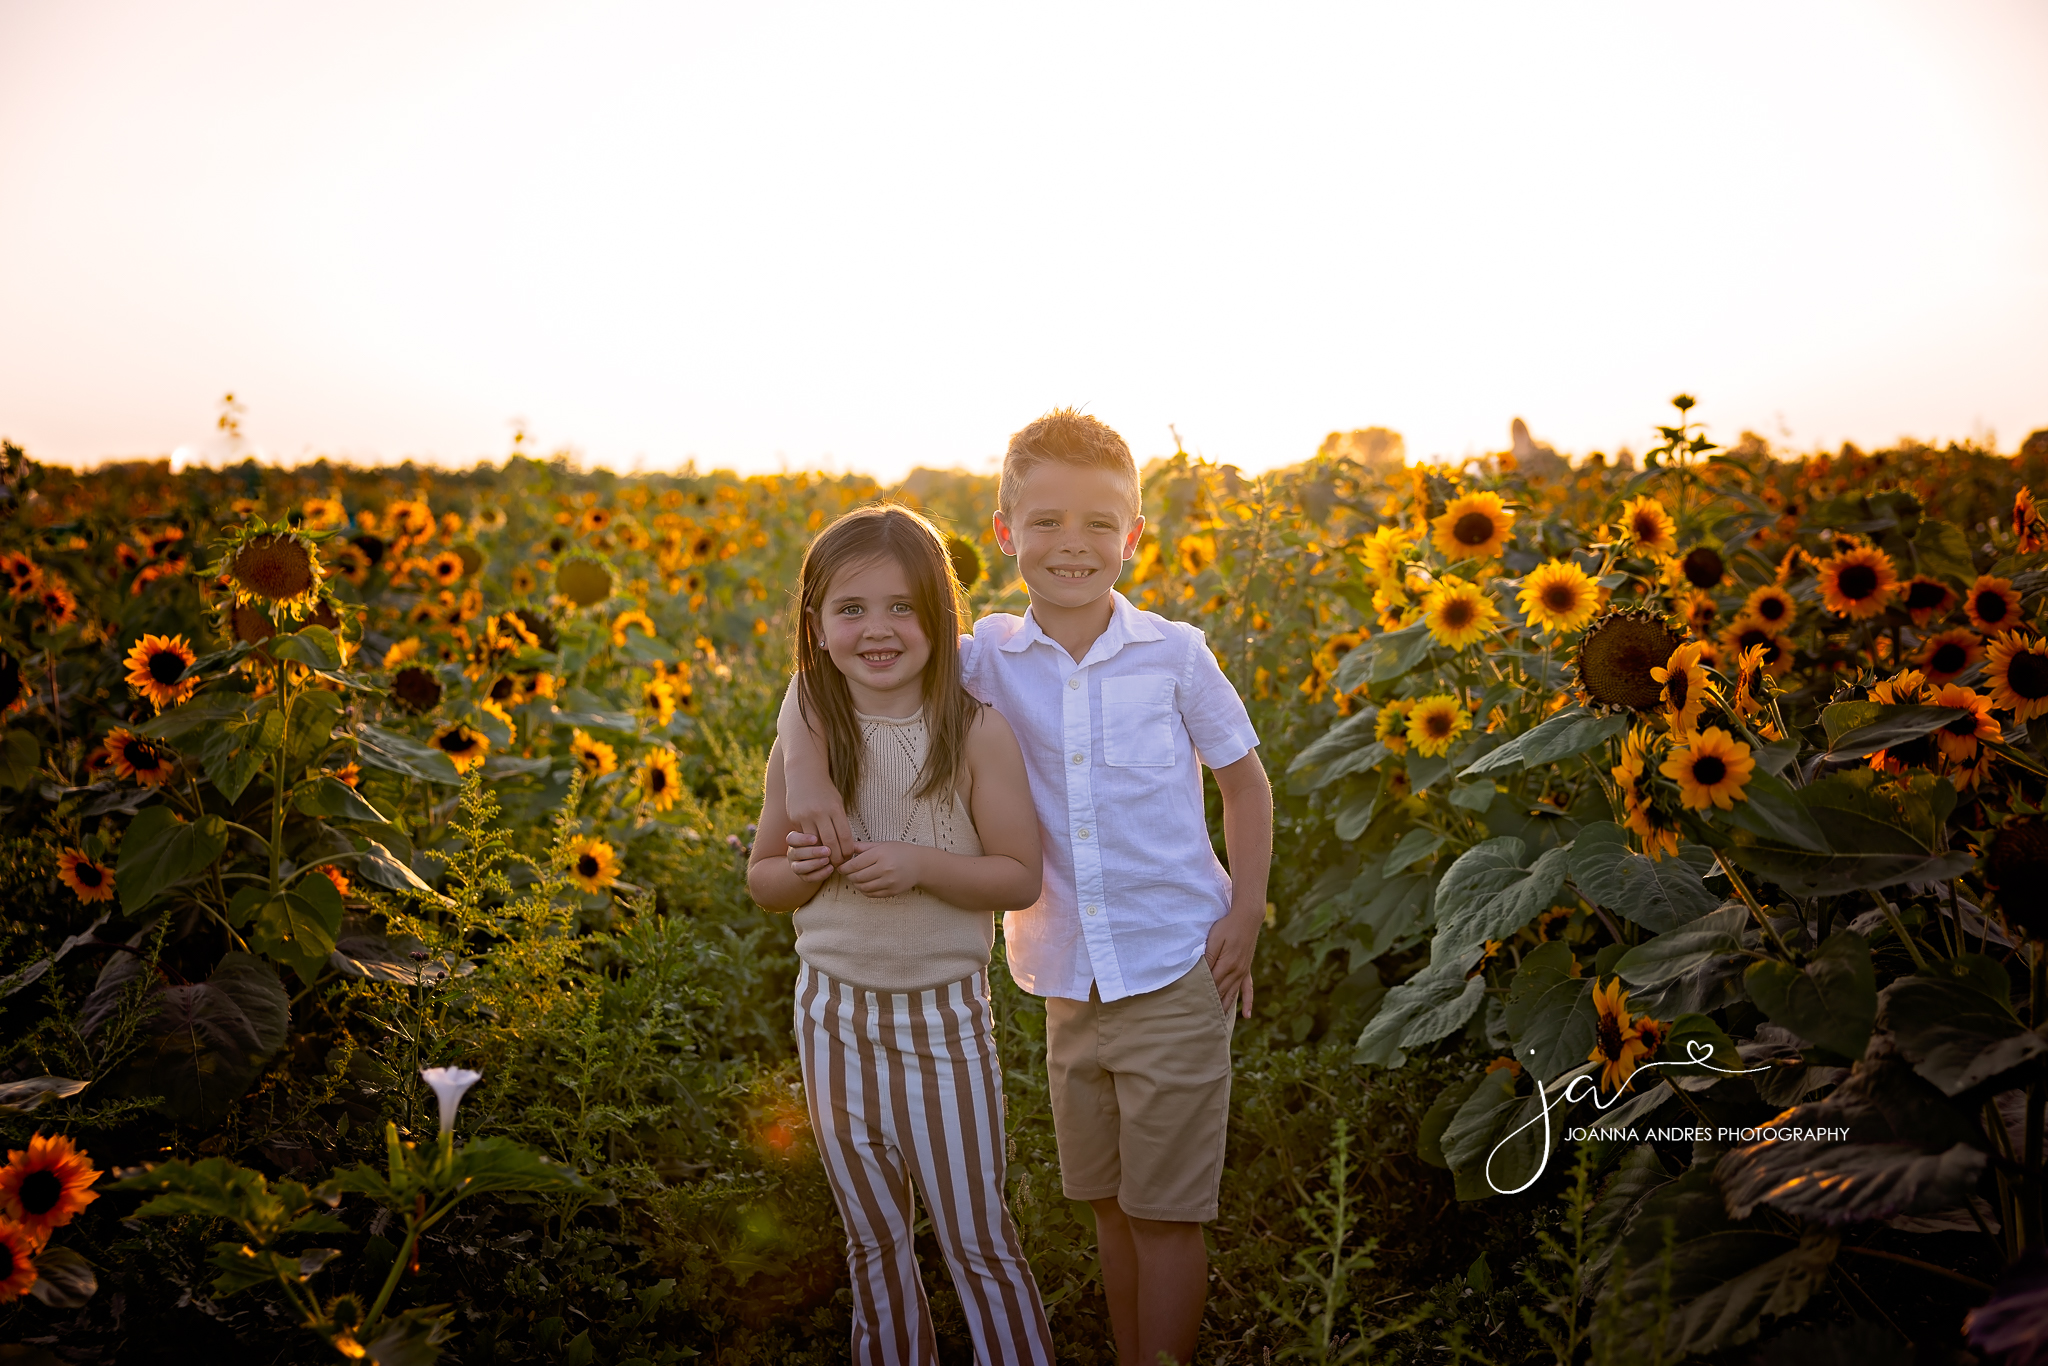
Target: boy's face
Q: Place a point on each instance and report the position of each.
(1071, 531)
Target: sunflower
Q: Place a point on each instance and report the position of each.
(2016, 867)
(1391, 729)
(14, 693)
(1698, 611)
(322, 513)
(1944, 656)
(147, 761)
(155, 666)
(658, 697)
(1196, 552)
(1559, 596)
(594, 757)
(660, 779)
(1771, 605)
(44, 1185)
(1686, 687)
(1474, 527)
(1458, 613)
(59, 604)
(1384, 551)
(24, 577)
(416, 688)
(2017, 674)
(1926, 598)
(1703, 567)
(1958, 739)
(535, 685)
(626, 620)
(1641, 809)
(1902, 688)
(1647, 527)
(447, 568)
(2026, 522)
(1617, 1040)
(1617, 654)
(1747, 633)
(592, 864)
(17, 1271)
(88, 878)
(1992, 605)
(594, 520)
(274, 566)
(404, 652)
(584, 581)
(467, 747)
(1435, 722)
(410, 517)
(1711, 769)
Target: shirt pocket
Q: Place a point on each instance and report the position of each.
(1138, 719)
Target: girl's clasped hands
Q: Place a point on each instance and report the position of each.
(879, 868)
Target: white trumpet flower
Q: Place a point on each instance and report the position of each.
(449, 1083)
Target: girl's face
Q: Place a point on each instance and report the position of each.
(870, 629)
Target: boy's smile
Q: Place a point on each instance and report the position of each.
(1071, 530)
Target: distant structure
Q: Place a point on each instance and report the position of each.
(1532, 457)
(1378, 448)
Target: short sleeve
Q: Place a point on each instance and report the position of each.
(1211, 709)
(972, 651)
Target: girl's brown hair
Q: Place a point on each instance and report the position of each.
(886, 531)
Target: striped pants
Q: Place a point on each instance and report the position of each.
(905, 1088)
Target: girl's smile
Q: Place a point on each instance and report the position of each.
(873, 636)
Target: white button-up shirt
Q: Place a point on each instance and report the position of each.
(1114, 746)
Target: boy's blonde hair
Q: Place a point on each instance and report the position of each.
(1066, 437)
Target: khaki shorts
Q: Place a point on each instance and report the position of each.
(1141, 1097)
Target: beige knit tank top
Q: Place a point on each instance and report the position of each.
(908, 942)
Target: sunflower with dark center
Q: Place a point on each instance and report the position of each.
(1617, 1040)
(24, 577)
(17, 1270)
(2016, 673)
(1711, 769)
(504, 690)
(1926, 599)
(1992, 605)
(1747, 633)
(417, 689)
(537, 624)
(1474, 526)
(1618, 654)
(1703, 567)
(1647, 527)
(660, 699)
(156, 664)
(60, 607)
(1686, 687)
(1858, 582)
(1458, 613)
(1959, 738)
(593, 756)
(371, 548)
(1558, 597)
(277, 567)
(1944, 656)
(593, 865)
(661, 779)
(446, 567)
(1435, 723)
(465, 746)
(88, 878)
(147, 761)
(45, 1185)
(2016, 867)
(1771, 605)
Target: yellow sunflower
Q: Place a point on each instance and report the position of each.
(1858, 582)
(660, 699)
(1711, 769)
(1747, 633)
(1641, 810)
(1771, 605)
(44, 1185)
(1558, 597)
(1195, 552)
(1435, 722)
(1927, 598)
(323, 513)
(1617, 1041)
(466, 746)
(1686, 686)
(633, 619)
(2026, 522)
(1391, 729)
(594, 757)
(661, 780)
(1699, 612)
(88, 878)
(1385, 550)
(2017, 674)
(1903, 687)
(1958, 739)
(1647, 527)
(592, 864)
(1474, 527)
(1458, 613)
(1992, 605)
(147, 761)
(1951, 652)
(59, 604)
(24, 577)
(155, 666)
(446, 567)
(522, 581)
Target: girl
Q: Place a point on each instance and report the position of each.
(892, 1007)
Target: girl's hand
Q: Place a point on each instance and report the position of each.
(809, 858)
(885, 868)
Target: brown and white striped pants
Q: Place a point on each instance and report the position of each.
(905, 1087)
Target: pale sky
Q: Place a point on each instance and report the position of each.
(868, 237)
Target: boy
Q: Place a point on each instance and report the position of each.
(1141, 943)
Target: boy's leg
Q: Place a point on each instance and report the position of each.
(846, 1081)
(948, 1106)
(1161, 1282)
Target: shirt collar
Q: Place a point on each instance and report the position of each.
(1127, 625)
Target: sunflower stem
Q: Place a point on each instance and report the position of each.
(1749, 899)
(1899, 928)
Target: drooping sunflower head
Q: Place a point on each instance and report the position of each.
(626, 622)
(1703, 567)
(2016, 867)
(1927, 598)
(1951, 652)
(468, 748)
(416, 688)
(156, 669)
(1646, 527)
(965, 557)
(88, 878)
(276, 566)
(592, 864)
(1558, 596)
(1992, 605)
(1474, 526)
(1435, 723)
(1617, 1041)
(1711, 769)
(2017, 674)
(1458, 613)
(661, 779)
(147, 761)
(583, 580)
(594, 757)
(44, 1186)
(1618, 653)
(1858, 582)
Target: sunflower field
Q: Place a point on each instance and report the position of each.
(1655, 967)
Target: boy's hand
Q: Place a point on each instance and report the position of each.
(809, 858)
(1232, 941)
(816, 811)
(885, 868)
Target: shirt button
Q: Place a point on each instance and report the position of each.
(1093, 909)
(1073, 682)
(1079, 757)
(1082, 832)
